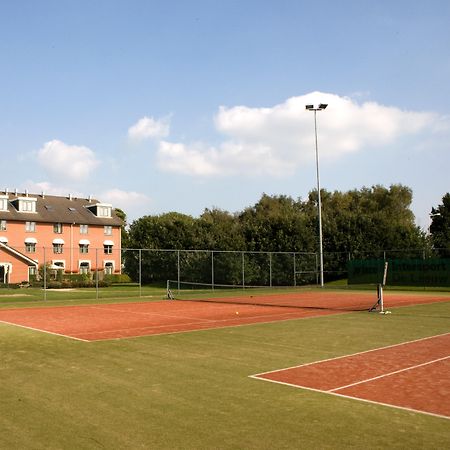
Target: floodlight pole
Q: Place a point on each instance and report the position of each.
(321, 107)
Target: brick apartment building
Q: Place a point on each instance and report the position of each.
(77, 235)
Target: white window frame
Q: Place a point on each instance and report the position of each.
(104, 210)
(84, 229)
(3, 203)
(84, 249)
(83, 263)
(3, 225)
(30, 247)
(27, 204)
(108, 230)
(30, 227)
(108, 249)
(58, 249)
(108, 264)
(58, 228)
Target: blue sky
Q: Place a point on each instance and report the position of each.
(158, 106)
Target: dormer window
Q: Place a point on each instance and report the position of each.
(26, 204)
(103, 210)
(3, 203)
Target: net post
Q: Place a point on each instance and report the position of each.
(169, 293)
(380, 297)
(379, 305)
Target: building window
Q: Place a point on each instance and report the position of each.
(3, 203)
(28, 206)
(57, 248)
(84, 248)
(32, 271)
(84, 267)
(109, 268)
(108, 230)
(107, 249)
(103, 211)
(84, 229)
(30, 226)
(57, 228)
(30, 247)
(2, 225)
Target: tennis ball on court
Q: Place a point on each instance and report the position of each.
(237, 312)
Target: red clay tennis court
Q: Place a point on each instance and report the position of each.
(125, 320)
(413, 375)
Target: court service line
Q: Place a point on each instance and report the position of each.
(351, 354)
(368, 380)
(349, 397)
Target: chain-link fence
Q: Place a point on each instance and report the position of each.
(83, 267)
(274, 269)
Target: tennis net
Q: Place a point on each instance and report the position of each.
(285, 297)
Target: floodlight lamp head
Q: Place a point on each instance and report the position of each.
(309, 107)
(323, 105)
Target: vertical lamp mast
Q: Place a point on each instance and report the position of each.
(313, 108)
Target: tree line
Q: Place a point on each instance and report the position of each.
(357, 222)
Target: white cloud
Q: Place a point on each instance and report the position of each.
(134, 204)
(67, 162)
(194, 160)
(276, 140)
(149, 128)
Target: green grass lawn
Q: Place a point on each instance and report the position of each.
(192, 390)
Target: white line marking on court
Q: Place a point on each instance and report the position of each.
(352, 354)
(368, 380)
(333, 391)
(44, 331)
(373, 402)
(198, 330)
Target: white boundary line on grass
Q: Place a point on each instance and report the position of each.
(333, 391)
(351, 354)
(385, 375)
(373, 402)
(44, 331)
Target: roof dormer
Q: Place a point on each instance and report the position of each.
(25, 204)
(3, 203)
(103, 210)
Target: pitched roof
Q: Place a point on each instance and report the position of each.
(54, 209)
(18, 255)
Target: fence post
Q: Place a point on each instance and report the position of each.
(243, 270)
(212, 269)
(178, 270)
(96, 273)
(295, 271)
(270, 269)
(45, 277)
(140, 272)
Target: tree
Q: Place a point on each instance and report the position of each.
(440, 227)
(124, 233)
(170, 231)
(221, 230)
(276, 224)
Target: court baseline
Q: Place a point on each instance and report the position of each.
(413, 375)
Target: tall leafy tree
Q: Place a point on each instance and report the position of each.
(221, 230)
(276, 223)
(440, 227)
(124, 232)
